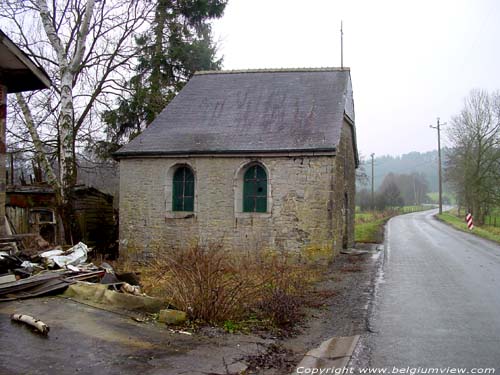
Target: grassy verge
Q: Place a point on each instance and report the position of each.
(369, 226)
(485, 231)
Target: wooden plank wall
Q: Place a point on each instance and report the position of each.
(19, 218)
(94, 213)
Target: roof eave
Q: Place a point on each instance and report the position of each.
(196, 153)
(31, 78)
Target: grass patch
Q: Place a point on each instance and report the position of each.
(434, 196)
(414, 208)
(485, 231)
(371, 231)
(369, 226)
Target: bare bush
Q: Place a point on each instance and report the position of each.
(206, 282)
(215, 285)
(281, 297)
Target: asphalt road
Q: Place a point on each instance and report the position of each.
(438, 298)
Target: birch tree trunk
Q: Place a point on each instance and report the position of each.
(40, 152)
(68, 68)
(84, 82)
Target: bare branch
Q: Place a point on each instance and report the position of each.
(41, 155)
(82, 36)
(51, 32)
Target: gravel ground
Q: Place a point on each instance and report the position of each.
(345, 297)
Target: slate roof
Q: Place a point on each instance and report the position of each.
(254, 111)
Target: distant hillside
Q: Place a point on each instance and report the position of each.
(425, 163)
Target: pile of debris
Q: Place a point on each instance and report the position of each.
(68, 274)
(26, 275)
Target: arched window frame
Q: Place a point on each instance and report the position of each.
(171, 212)
(239, 187)
(255, 189)
(183, 185)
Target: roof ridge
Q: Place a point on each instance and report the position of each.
(273, 70)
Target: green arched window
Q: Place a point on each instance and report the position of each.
(255, 189)
(183, 190)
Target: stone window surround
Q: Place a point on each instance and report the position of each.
(237, 189)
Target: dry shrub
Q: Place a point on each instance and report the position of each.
(206, 282)
(318, 299)
(215, 285)
(123, 264)
(285, 282)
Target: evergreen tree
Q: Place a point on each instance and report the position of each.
(178, 44)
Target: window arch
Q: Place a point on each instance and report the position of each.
(255, 189)
(183, 190)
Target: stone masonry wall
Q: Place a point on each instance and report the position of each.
(345, 189)
(305, 207)
(299, 209)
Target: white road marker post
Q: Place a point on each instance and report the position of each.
(468, 219)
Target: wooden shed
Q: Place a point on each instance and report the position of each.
(32, 209)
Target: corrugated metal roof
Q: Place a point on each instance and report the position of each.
(251, 111)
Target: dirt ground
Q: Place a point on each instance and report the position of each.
(348, 291)
(86, 340)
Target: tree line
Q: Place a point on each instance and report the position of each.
(472, 167)
(396, 190)
(414, 161)
(471, 164)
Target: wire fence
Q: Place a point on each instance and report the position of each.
(409, 209)
(492, 221)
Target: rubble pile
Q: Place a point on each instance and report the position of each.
(26, 274)
(45, 271)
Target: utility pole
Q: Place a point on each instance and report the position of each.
(438, 127)
(373, 190)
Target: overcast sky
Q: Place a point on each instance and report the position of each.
(411, 61)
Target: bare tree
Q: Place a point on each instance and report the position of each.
(389, 193)
(413, 187)
(473, 164)
(88, 50)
